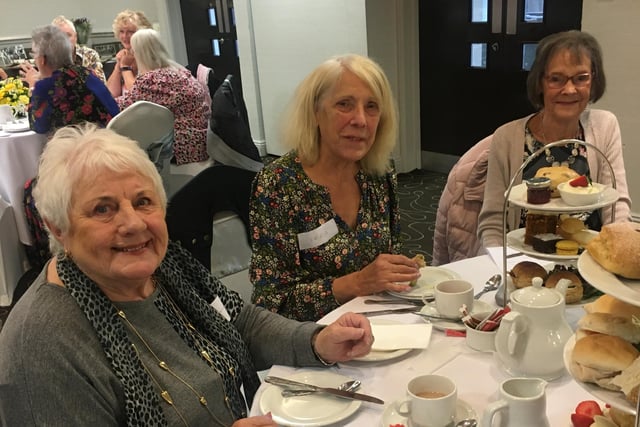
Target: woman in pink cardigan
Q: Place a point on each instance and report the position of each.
(567, 75)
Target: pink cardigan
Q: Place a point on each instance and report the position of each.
(457, 217)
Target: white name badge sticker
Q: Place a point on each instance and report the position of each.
(219, 307)
(320, 235)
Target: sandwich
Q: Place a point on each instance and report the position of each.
(599, 358)
(418, 259)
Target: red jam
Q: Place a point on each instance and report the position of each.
(538, 190)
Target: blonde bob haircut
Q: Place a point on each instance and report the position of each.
(83, 153)
(128, 16)
(300, 127)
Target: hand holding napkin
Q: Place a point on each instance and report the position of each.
(397, 337)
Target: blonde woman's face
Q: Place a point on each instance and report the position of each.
(348, 119)
(125, 33)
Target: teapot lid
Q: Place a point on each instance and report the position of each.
(536, 295)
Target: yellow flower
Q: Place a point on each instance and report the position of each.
(14, 93)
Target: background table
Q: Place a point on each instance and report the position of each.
(19, 156)
(476, 374)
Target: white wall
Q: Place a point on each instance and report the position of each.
(615, 25)
(18, 18)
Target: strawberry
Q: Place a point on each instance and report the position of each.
(580, 420)
(581, 181)
(590, 408)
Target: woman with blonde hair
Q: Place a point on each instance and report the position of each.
(324, 217)
(125, 71)
(165, 82)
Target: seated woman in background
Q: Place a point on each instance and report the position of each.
(63, 93)
(130, 326)
(567, 74)
(165, 82)
(125, 71)
(324, 217)
(82, 55)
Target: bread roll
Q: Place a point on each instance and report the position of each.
(557, 175)
(599, 358)
(609, 304)
(574, 290)
(610, 324)
(617, 249)
(523, 272)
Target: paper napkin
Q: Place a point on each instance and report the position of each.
(401, 336)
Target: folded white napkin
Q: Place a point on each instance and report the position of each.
(397, 337)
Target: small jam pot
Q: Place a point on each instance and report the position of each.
(538, 190)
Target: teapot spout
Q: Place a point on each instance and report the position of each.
(563, 285)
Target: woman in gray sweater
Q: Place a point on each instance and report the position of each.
(123, 327)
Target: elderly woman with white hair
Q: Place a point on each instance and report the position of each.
(123, 327)
(82, 55)
(63, 93)
(165, 82)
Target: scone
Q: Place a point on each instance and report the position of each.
(523, 272)
(557, 175)
(419, 259)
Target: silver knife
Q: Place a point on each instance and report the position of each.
(330, 390)
(391, 311)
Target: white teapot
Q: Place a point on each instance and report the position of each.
(531, 338)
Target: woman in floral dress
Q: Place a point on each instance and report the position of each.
(168, 83)
(63, 93)
(324, 217)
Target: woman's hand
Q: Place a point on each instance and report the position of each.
(125, 58)
(29, 74)
(259, 421)
(345, 339)
(386, 273)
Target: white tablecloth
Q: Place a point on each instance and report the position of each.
(476, 374)
(19, 155)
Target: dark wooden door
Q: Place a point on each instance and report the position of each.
(474, 58)
(210, 35)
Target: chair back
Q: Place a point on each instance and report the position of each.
(151, 125)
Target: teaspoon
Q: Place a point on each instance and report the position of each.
(470, 422)
(491, 285)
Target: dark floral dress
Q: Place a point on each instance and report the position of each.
(285, 202)
(72, 95)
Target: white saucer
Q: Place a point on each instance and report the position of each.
(430, 309)
(391, 416)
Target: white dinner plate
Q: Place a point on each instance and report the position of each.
(626, 290)
(518, 197)
(317, 409)
(381, 355)
(429, 277)
(515, 240)
(390, 416)
(19, 126)
(613, 398)
(430, 309)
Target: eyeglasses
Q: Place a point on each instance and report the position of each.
(558, 81)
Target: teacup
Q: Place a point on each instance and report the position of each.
(451, 295)
(6, 114)
(431, 401)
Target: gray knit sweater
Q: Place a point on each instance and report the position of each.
(53, 370)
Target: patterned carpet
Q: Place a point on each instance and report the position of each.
(419, 193)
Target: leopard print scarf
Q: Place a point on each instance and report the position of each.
(192, 287)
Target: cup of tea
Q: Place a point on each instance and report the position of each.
(431, 401)
(451, 295)
(6, 114)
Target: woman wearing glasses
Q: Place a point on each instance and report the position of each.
(567, 74)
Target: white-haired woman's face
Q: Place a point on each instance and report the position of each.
(117, 232)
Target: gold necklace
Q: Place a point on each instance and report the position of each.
(164, 393)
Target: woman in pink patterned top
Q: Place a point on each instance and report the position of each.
(165, 82)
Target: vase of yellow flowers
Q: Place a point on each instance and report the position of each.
(15, 93)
